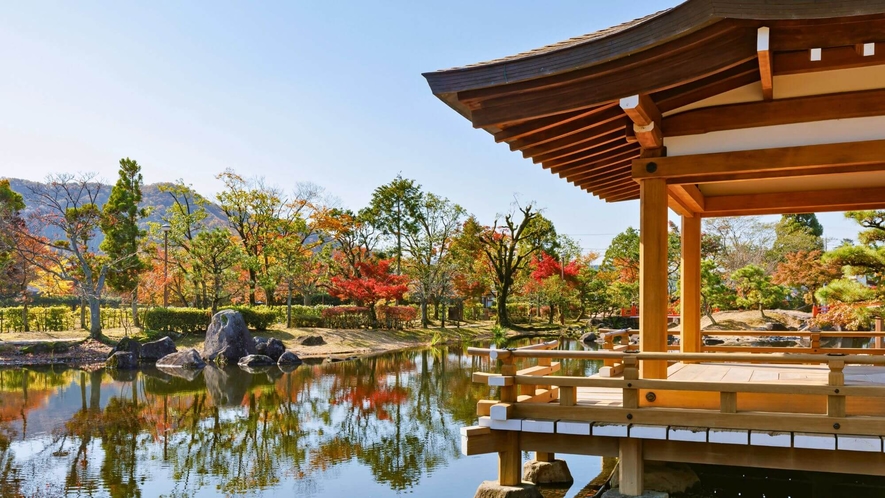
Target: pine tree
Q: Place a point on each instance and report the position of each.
(119, 223)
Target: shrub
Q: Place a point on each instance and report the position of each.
(346, 317)
(475, 311)
(185, 320)
(54, 318)
(518, 312)
(396, 317)
(256, 317)
(305, 316)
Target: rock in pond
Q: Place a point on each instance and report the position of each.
(312, 340)
(122, 360)
(229, 337)
(256, 360)
(270, 347)
(188, 374)
(289, 358)
(154, 350)
(189, 359)
(226, 387)
(589, 338)
(126, 344)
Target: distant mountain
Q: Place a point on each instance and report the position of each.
(156, 201)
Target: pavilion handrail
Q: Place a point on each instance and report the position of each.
(690, 357)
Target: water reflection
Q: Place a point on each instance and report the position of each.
(392, 419)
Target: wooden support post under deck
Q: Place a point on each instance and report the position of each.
(690, 340)
(509, 460)
(631, 466)
(836, 402)
(877, 342)
(544, 456)
(653, 295)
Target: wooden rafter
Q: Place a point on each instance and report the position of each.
(721, 82)
(688, 197)
(765, 67)
(524, 129)
(602, 167)
(646, 117)
(781, 162)
(795, 202)
(610, 119)
(778, 112)
(826, 33)
(598, 154)
(591, 139)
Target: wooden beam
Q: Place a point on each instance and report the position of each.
(646, 117)
(725, 52)
(690, 295)
(796, 202)
(765, 68)
(783, 111)
(678, 208)
(688, 196)
(653, 293)
(630, 467)
(806, 160)
(826, 33)
(603, 164)
(831, 59)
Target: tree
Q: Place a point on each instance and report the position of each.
(66, 207)
(743, 241)
(252, 210)
(509, 248)
(119, 222)
(186, 218)
(715, 293)
(393, 210)
(755, 289)
(429, 245)
(794, 233)
(216, 255)
(371, 282)
(807, 272)
(558, 282)
(473, 275)
(16, 272)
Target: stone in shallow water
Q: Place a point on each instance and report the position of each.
(270, 347)
(122, 360)
(126, 344)
(555, 472)
(229, 337)
(154, 350)
(182, 359)
(188, 374)
(491, 489)
(289, 358)
(256, 360)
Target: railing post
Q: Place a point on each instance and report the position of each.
(877, 342)
(728, 402)
(567, 396)
(631, 372)
(815, 342)
(836, 401)
(608, 344)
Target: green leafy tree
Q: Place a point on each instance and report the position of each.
(186, 217)
(119, 222)
(756, 290)
(794, 233)
(216, 256)
(715, 292)
(509, 246)
(393, 209)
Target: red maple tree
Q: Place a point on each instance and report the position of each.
(367, 283)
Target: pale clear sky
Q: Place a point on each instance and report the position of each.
(327, 92)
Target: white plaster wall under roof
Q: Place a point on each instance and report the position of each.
(796, 184)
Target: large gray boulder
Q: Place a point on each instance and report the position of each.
(154, 350)
(122, 360)
(313, 340)
(228, 337)
(128, 345)
(189, 359)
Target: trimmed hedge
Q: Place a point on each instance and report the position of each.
(256, 317)
(186, 320)
(396, 317)
(346, 317)
(48, 319)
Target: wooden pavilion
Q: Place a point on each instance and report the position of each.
(711, 108)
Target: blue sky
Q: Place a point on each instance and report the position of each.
(326, 92)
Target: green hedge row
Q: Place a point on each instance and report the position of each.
(58, 318)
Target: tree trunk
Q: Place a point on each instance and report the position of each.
(94, 317)
(442, 318)
(550, 312)
(308, 298)
(761, 311)
(25, 325)
(503, 319)
(135, 321)
(252, 285)
(424, 321)
(289, 306)
(83, 312)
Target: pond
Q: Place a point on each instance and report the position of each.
(379, 426)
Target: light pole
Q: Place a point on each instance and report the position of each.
(166, 227)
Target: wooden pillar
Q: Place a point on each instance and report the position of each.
(653, 295)
(510, 459)
(690, 340)
(630, 466)
(877, 342)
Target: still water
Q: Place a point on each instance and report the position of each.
(386, 425)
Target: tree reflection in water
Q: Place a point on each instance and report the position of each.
(231, 432)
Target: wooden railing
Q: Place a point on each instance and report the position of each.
(831, 408)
